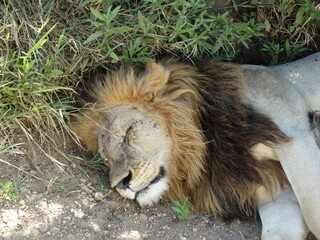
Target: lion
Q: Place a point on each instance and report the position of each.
(234, 139)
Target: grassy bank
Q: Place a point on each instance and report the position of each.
(46, 47)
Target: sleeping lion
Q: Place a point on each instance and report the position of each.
(231, 138)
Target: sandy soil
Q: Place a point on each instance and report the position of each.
(67, 204)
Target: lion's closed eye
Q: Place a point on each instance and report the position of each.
(127, 137)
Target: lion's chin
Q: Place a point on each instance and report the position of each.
(149, 195)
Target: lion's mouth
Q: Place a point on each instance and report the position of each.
(161, 174)
(150, 193)
(125, 183)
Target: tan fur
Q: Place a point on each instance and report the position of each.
(172, 90)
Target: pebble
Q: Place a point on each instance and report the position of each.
(43, 228)
(66, 220)
(143, 217)
(98, 196)
(182, 238)
(85, 188)
(83, 180)
(166, 227)
(237, 221)
(145, 236)
(73, 165)
(71, 237)
(85, 201)
(79, 213)
(194, 230)
(55, 231)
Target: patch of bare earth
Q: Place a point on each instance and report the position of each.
(74, 202)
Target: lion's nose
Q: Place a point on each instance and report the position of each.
(125, 182)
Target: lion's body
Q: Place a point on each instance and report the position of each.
(212, 133)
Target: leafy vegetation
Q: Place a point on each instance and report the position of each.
(182, 209)
(291, 27)
(182, 27)
(46, 47)
(10, 190)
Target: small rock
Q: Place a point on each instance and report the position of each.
(43, 228)
(194, 230)
(78, 213)
(66, 219)
(166, 227)
(98, 196)
(96, 228)
(71, 237)
(73, 165)
(55, 231)
(83, 180)
(145, 236)
(237, 221)
(182, 238)
(85, 188)
(85, 201)
(143, 217)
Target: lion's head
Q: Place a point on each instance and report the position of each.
(146, 127)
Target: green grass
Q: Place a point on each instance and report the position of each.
(292, 28)
(10, 190)
(47, 46)
(182, 209)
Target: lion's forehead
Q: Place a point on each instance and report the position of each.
(135, 138)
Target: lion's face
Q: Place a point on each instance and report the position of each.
(137, 150)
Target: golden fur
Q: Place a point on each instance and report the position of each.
(177, 91)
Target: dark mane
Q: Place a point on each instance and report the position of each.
(231, 130)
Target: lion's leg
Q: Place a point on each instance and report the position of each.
(280, 215)
(300, 159)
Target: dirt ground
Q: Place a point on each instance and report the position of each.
(67, 204)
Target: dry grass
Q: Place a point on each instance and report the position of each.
(47, 46)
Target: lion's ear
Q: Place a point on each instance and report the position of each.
(86, 127)
(156, 77)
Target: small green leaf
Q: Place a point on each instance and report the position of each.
(141, 20)
(113, 13)
(114, 56)
(97, 14)
(93, 37)
(315, 14)
(177, 209)
(177, 203)
(55, 72)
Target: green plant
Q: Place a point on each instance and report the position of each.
(190, 28)
(182, 209)
(274, 51)
(292, 27)
(293, 51)
(10, 190)
(53, 44)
